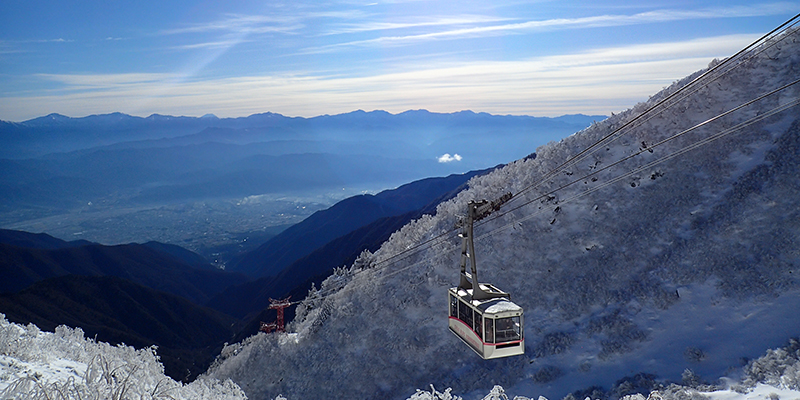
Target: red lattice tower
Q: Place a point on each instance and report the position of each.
(279, 306)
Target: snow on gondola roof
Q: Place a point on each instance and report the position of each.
(501, 306)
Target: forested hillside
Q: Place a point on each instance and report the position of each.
(659, 240)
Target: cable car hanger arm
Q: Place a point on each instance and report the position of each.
(475, 212)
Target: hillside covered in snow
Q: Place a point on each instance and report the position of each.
(65, 365)
(660, 245)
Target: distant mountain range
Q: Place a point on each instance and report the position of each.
(56, 133)
(57, 162)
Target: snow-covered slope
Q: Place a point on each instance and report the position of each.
(689, 263)
(65, 365)
(773, 376)
(635, 268)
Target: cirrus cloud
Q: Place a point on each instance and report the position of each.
(598, 81)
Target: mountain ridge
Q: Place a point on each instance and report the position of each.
(337, 248)
(58, 133)
(119, 116)
(342, 218)
(159, 267)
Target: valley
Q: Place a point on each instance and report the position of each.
(221, 186)
(215, 229)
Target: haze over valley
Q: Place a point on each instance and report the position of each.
(218, 186)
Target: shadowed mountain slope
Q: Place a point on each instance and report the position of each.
(342, 218)
(37, 240)
(20, 267)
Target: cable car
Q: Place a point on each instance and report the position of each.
(491, 327)
(480, 314)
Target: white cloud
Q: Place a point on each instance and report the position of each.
(241, 24)
(369, 26)
(446, 158)
(597, 82)
(608, 20)
(106, 80)
(218, 44)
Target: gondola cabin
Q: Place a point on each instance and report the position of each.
(492, 327)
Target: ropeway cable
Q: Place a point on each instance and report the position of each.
(635, 123)
(436, 239)
(421, 246)
(650, 165)
(662, 142)
(586, 152)
(411, 251)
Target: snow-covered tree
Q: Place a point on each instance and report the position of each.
(64, 365)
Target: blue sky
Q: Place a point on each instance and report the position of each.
(298, 58)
